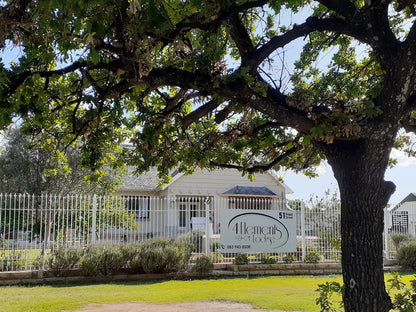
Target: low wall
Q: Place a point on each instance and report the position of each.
(74, 276)
(286, 269)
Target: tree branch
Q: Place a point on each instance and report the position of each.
(199, 112)
(257, 168)
(344, 8)
(312, 24)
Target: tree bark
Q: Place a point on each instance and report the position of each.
(359, 168)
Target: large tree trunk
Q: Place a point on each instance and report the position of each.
(359, 168)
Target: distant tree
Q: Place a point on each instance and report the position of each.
(25, 168)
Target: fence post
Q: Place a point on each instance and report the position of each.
(207, 238)
(386, 233)
(94, 219)
(302, 229)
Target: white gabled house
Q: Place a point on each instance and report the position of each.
(189, 200)
(403, 216)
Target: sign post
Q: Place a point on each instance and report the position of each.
(244, 231)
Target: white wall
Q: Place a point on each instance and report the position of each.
(204, 182)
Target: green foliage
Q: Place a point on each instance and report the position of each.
(194, 237)
(289, 258)
(11, 260)
(162, 256)
(102, 259)
(326, 292)
(241, 259)
(266, 258)
(406, 255)
(63, 259)
(404, 299)
(203, 264)
(399, 239)
(24, 167)
(313, 257)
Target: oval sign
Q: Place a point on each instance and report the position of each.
(258, 229)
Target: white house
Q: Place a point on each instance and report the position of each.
(403, 216)
(188, 201)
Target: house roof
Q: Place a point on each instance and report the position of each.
(409, 198)
(146, 181)
(149, 180)
(250, 190)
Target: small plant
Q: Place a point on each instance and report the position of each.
(313, 257)
(102, 259)
(405, 298)
(399, 239)
(162, 256)
(63, 259)
(289, 258)
(265, 258)
(406, 255)
(129, 251)
(216, 257)
(241, 259)
(325, 296)
(203, 264)
(11, 260)
(194, 237)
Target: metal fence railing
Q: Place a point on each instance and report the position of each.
(399, 226)
(31, 227)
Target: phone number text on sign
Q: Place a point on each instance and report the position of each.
(257, 231)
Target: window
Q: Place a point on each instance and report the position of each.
(250, 202)
(140, 205)
(182, 215)
(400, 221)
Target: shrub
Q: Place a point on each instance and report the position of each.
(162, 256)
(11, 260)
(289, 258)
(129, 251)
(406, 255)
(203, 264)
(216, 257)
(313, 257)
(102, 259)
(399, 239)
(241, 259)
(194, 237)
(265, 258)
(63, 259)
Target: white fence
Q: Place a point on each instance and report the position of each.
(31, 227)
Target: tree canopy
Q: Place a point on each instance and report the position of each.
(24, 168)
(207, 83)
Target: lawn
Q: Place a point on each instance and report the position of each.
(286, 293)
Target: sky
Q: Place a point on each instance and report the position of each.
(402, 175)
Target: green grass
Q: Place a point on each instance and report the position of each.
(286, 293)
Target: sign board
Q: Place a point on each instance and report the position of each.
(245, 230)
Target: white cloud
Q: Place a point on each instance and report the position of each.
(322, 168)
(403, 160)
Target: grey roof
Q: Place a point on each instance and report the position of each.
(147, 181)
(409, 198)
(249, 190)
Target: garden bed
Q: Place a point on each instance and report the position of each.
(75, 276)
